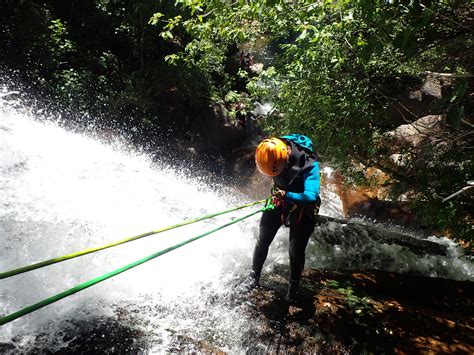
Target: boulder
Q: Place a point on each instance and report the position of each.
(432, 88)
(417, 132)
(407, 144)
(388, 236)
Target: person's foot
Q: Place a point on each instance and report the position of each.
(292, 294)
(250, 283)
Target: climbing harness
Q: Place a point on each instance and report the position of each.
(58, 259)
(286, 208)
(6, 319)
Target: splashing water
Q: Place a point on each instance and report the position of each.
(62, 192)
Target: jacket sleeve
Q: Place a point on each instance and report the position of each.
(311, 187)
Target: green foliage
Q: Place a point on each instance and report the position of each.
(59, 37)
(361, 305)
(102, 57)
(333, 77)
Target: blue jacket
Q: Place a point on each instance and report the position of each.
(301, 178)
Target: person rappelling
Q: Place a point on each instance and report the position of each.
(293, 164)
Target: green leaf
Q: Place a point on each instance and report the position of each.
(155, 18)
(303, 35)
(172, 59)
(166, 35)
(454, 116)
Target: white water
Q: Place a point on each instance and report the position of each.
(62, 192)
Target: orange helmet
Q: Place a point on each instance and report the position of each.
(271, 156)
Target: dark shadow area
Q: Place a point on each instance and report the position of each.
(364, 311)
(388, 312)
(97, 335)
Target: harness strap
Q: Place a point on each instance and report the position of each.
(301, 214)
(285, 218)
(285, 207)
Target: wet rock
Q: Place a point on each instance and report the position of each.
(186, 344)
(219, 130)
(367, 311)
(104, 335)
(371, 202)
(383, 235)
(6, 348)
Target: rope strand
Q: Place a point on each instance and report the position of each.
(58, 259)
(71, 291)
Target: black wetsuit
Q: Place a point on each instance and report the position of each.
(301, 166)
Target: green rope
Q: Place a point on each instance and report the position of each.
(58, 259)
(92, 282)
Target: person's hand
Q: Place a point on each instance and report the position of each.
(278, 195)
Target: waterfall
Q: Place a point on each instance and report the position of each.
(62, 192)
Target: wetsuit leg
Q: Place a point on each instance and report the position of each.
(300, 232)
(269, 225)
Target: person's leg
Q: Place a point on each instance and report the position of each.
(269, 225)
(300, 232)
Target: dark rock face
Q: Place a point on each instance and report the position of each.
(416, 98)
(384, 211)
(367, 311)
(385, 236)
(219, 130)
(345, 311)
